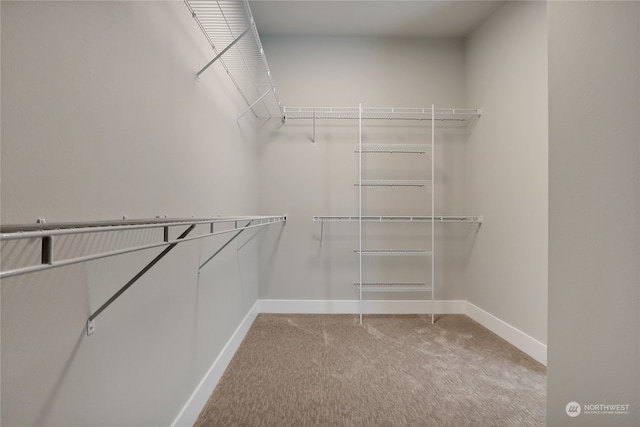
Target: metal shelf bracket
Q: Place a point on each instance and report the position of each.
(47, 233)
(223, 246)
(92, 318)
(219, 55)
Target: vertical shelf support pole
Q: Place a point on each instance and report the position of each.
(360, 205)
(433, 210)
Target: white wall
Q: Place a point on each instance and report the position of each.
(507, 155)
(594, 210)
(345, 71)
(102, 116)
(306, 179)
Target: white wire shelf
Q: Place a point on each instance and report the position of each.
(49, 231)
(393, 183)
(229, 27)
(394, 149)
(441, 218)
(394, 287)
(393, 252)
(453, 116)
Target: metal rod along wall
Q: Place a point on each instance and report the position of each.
(46, 232)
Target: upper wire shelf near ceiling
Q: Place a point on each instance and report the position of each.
(229, 27)
(449, 116)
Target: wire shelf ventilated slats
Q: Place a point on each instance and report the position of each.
(393, 252)
(447, 116)
(230, 29)
(393, 287)
(394, 149)
(448, 218)
(51, 258)
(393, 183)
(53, 230)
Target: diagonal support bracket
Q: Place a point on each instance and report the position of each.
(254, 104)
(251, 238)
(237, 39)
(90, 321)
(223, 246)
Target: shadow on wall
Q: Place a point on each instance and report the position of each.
(44, 413)
(52, 372)
(269, 244)
(44, 318)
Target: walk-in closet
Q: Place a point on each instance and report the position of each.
(288, 212)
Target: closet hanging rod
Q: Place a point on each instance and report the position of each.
(48, 260)
(41, 229)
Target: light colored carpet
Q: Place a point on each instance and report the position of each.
(394, 370)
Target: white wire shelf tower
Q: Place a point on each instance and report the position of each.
(441, 117)
(361, 285)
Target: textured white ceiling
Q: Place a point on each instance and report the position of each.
(390, 18)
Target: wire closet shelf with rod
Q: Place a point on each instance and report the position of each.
(163, 235)
(423, 185)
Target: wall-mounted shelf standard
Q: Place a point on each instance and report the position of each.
(229, 27)
(48, 232)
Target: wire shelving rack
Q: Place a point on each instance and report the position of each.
(231, 31)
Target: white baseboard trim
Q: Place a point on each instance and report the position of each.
(514, 336)
(369, 307)
(198, 399)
